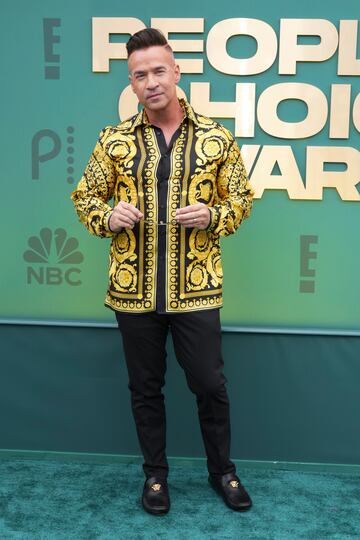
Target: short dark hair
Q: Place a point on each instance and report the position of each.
(148, 37)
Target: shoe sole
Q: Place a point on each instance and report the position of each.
(154, 511)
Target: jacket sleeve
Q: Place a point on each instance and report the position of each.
(234, 192)
(95, 189)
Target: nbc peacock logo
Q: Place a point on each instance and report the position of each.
(52, 256)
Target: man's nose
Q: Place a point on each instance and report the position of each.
(152, 81)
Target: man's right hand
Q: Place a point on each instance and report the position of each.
(124, 215)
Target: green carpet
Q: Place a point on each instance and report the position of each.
(41, 500)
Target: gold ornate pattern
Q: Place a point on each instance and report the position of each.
(125, 278)
(214, 267)
(126, 255)
(177, 184)
(141, 206)
(121, 148)
(199, 243)
(95, 188)
(124, 246)
(206, 167)
(202, 189)
(211, 146)
(151, 213)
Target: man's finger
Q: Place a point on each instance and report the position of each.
(122, 205)
(126, 212)
(190, 208)
(126, 221)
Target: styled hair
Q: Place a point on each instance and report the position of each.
(148, 37)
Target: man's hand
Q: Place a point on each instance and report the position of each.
(194, 215)
(124, 215)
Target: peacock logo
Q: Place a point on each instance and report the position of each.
(49, 251)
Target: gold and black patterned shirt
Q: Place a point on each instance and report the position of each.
(203, 165)
(162, 175)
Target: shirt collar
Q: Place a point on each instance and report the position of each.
(142, 119)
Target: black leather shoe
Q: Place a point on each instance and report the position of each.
(155, 497)
(232, 491)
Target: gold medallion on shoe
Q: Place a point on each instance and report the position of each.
(234, 483)
(156, 487)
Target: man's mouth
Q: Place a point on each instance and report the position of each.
(152, 96)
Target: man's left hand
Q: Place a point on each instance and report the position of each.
(194, 215)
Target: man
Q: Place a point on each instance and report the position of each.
(178, 183)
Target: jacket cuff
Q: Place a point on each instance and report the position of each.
(106, 220)
(214, 219)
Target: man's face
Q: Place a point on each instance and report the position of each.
(153, 75)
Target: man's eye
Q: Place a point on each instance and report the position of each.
(139, 77)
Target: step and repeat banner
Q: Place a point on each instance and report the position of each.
(288, 87)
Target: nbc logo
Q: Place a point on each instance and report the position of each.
(49, 251)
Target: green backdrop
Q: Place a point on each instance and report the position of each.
(54, 271)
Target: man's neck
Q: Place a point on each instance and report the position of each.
(166, 119)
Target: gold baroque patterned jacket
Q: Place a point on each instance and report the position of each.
(206, 167)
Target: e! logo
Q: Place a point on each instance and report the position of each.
(53, 71)
(307, 285)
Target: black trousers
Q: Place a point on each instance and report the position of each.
(197, 343)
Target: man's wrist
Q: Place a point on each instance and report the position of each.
(108, 222)
(209, 214)
(211, 219)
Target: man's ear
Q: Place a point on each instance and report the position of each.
(177, 73)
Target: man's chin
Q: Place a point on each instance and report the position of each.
(156, 105)
(158, 102)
